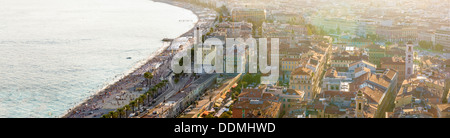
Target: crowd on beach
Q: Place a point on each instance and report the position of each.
(116, 94)
(119, 93)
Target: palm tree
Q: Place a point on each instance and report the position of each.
(127, 108)
(105, 116)
(115, 115)
(138, 103)
(143, 97)
(153, 90)
(111, 114)
(120, 111)
(148, 97)
(132, 105)
(157, 87)
(148, 76)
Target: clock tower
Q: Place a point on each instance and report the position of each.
(409, 70)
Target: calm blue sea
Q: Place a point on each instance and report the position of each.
(56, 53)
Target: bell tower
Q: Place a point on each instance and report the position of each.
(409, 70)
(360, 105)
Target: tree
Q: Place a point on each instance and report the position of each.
(133, 105)
(425, 44)
(148, 76)
(226, 115)
(438, 47)
(105, 116)
(120, 111)
(111, 114)
(153, 90)
(127, 108)
(209, 116)
(143, 97)
(388, 43)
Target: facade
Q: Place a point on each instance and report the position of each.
(375, 54)
(333, 82)
(379, 91)
(250, 15)
(289, 64)
(442, 37)
(362, 63)
(398, 33)
(301, 79)
(396, 63)
(409, 60)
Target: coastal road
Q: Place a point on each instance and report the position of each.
(168, 93)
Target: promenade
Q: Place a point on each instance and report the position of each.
(123, 91)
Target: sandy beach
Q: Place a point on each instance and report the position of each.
(121, 92)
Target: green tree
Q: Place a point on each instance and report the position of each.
(127, 108)
(120, 111)
(438, 47)
(148, 76)
(133, 105)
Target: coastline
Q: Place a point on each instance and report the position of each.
(139, 66)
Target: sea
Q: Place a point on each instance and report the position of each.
(54, 54)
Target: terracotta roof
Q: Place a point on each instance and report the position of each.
(362, 69)
(392, 60)
(352, 58)
(361, 61)
(298, 92)
(374, 94)
(333, 109)
(301, 71)
(326, 94)
(354, 86)
(390, 74)
(331, 73)
(251, 93)
(444, 107)
(266, 109)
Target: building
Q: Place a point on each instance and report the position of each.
(397, 33)
(289, 64)
(333, 82)
(362, 63)
(442, 36)
(255, 103)
(396, 63)
(249, 15)
(409, 60)
(301, 79)
(443, 110)
(360, 102)
(341, 61)
(379, 91)
(375, 54)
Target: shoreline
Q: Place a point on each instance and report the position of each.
(139, 66)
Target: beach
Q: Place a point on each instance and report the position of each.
(121, 92)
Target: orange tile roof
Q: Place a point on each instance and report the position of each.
(301, 71)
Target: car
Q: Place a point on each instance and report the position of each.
(155, 112)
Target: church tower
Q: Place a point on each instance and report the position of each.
(409, 70)
(359, 105)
